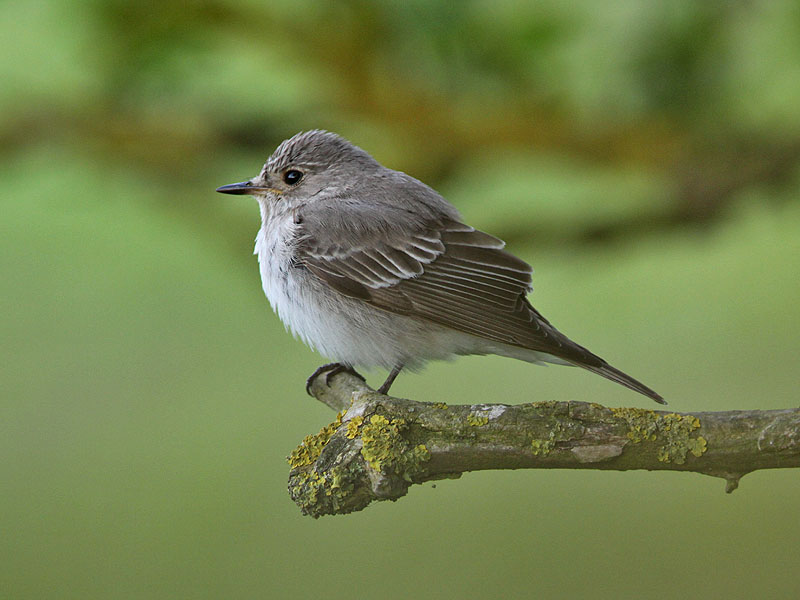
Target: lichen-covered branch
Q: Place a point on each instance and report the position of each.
(379, 446)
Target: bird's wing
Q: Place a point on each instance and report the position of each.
(448, 273)
(442, 271)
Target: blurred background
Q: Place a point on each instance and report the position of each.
(644, 157)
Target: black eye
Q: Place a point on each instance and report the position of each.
(292, 176)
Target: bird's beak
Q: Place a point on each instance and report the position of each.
(243, 187)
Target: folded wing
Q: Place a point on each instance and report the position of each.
(453, 275)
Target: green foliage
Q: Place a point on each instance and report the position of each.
(148, 395)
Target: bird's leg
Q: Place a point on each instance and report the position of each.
(329, 370)
(384, 389)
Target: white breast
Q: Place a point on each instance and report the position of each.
(307, 308)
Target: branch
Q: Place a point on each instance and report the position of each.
(379, 446)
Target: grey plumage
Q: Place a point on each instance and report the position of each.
(372, 267)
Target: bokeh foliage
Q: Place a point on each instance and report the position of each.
(642, 155)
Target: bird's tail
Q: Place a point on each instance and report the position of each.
(609, 372)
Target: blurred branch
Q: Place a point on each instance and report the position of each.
(380, 445)
(706, 182)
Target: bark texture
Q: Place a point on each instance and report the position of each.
(379, 446)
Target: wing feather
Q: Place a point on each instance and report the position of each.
(451, 274)
(448, 273)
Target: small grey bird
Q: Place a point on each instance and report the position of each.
(372, 267)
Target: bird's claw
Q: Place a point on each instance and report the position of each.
(329, 370)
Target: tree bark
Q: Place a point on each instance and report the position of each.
(379, 446)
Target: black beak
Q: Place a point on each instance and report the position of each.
(243, 187)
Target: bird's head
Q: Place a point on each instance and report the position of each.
(311, 165)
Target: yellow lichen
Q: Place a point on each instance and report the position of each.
(308, 487)
(440, 405)
(353, 425)
(545, 447)
(698, 446)
(542, 447)
(412, 460)
(340, 481)
(672, 431)
(476, 420)
(379, 436)
(311, 447)
(384, 447)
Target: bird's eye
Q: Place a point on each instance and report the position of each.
(292, 176)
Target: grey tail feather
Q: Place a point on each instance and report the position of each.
(609, 372)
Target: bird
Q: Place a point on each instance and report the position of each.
(373, 268)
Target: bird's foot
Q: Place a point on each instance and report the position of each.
(329, 370)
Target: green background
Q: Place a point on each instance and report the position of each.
(642, 156)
